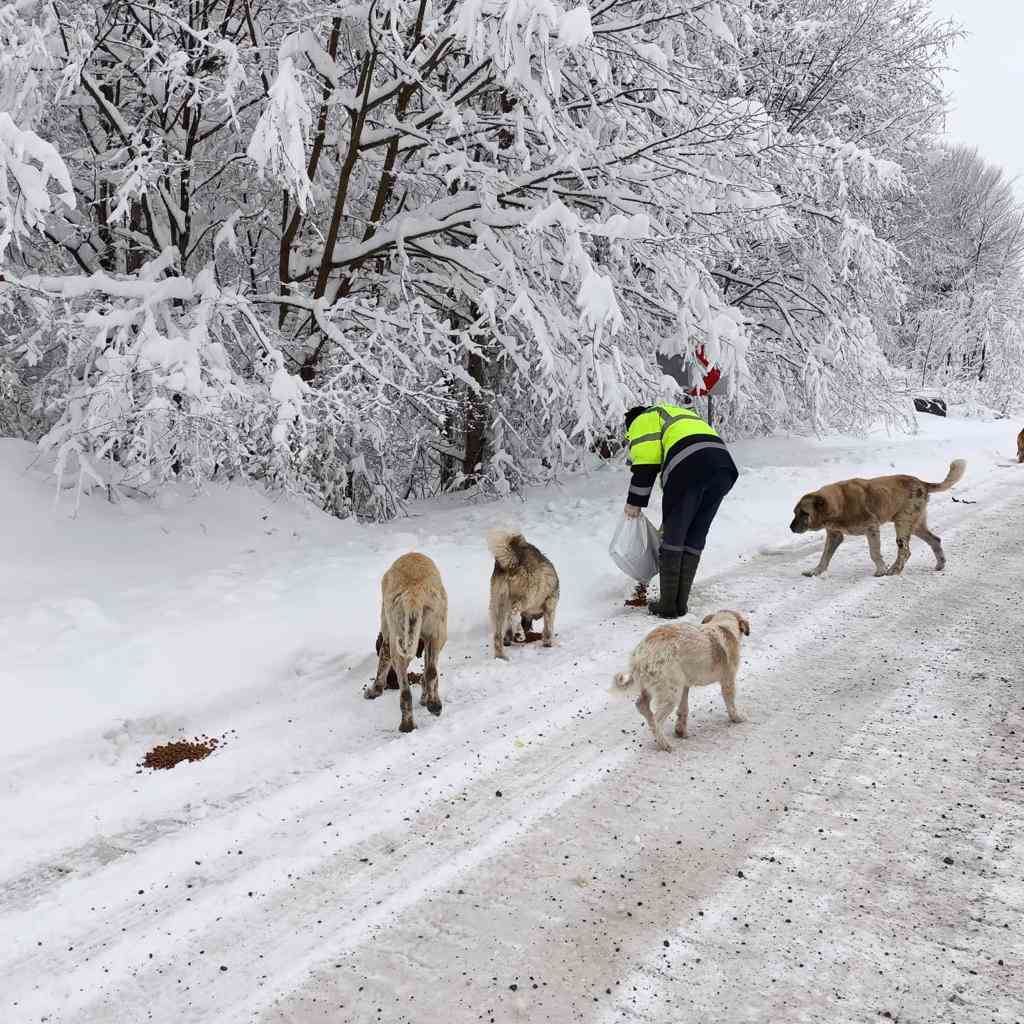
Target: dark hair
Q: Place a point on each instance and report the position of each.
(631, 414)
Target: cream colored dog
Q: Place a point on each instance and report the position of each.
(671, 659)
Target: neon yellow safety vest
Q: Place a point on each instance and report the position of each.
(653, 433)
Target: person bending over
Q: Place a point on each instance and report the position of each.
(697, 472)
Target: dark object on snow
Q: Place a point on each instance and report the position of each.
(639, 598)
(932, 406)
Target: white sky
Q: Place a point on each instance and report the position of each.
(987, 79)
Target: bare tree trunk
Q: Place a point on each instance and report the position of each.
(476, 420)
(134, 256)
(107, 254)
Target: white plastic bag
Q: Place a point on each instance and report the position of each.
(634, 548)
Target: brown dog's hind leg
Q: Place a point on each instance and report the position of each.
(832, 541)
(431, 695)
(729, 696)
(683, 713)
(875, 550)
(405, 700)
(392, 683)
(922, 532)
(904, 527)
(643, 705)
(384, 670)
(426, 680)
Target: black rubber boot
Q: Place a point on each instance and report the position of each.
(687, 572)
(668, 575)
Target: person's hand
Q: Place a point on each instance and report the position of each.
(633, 512)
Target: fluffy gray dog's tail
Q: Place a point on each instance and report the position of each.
(957, 468)
(502, 544)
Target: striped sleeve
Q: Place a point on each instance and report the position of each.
(641, 485)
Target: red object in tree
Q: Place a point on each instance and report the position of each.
(711, 378)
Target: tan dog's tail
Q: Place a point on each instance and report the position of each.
(622, 683)
(502, 544)
(957, 468)
(406, 637)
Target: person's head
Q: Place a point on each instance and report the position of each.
(631, 414)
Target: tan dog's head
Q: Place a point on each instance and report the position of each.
(810, 513)
(741, 620)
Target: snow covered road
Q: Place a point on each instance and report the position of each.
(854, 850)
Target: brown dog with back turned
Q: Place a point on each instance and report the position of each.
(413, 616)
(860, 506)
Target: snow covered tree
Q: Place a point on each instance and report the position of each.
(963, 235)
(853, 91)
(147, 367)
(377, 251)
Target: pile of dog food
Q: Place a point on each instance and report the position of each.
(167, 755)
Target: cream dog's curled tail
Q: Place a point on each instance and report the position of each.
(622, 683)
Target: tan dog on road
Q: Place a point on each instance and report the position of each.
(859, 507)
(413, 614)
(671, 659)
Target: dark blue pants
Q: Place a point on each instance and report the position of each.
(693, 491)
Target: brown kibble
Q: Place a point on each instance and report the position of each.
(167, 755)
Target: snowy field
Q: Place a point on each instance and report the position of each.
(853, 852)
